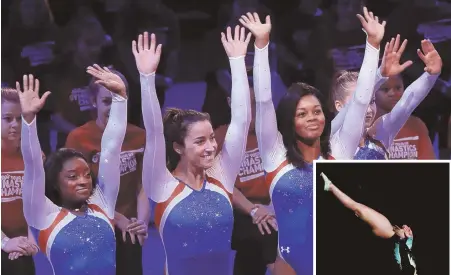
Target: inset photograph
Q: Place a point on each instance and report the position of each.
(386, 217)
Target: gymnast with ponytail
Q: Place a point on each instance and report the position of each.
(191, 184)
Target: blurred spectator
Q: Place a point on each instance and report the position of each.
(134, 17)
(426, 19)
(215, 57)
(294, 30)
(215, 102)
(337, 43)
(79, 45)
(29, 39)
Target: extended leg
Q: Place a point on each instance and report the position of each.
(380, 225)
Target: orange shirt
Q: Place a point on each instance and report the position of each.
(87, 139)
(251, 179)
(13, 220)
(412, 142)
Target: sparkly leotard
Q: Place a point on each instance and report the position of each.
(351, 117)
(290, 187)
(371, 150)
(291, 190)
(196, 225)
(76, 244)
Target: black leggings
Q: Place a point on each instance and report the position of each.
(23, 265)
(128, 256)
(254, 251)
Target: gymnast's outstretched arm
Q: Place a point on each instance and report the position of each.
(157, 181)
(36, 206)
(270, 143)
(228, 162)
(112, 138)
(388, 126)
(345, 139)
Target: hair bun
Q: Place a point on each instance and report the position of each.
(340, 74)
(173, 114)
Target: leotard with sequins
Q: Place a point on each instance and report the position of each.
(196, 225)
(290, 187)
(73, 244)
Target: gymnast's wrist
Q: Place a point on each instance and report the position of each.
(5, 240)
(253, 211)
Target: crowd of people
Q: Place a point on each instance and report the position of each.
(81, 179)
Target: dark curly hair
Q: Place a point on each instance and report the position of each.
(53, 166)
(176, 122)
(286, 111)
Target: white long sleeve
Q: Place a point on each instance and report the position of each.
(345, 140)
(111, 144)
(157, 181)
(270, 143)
(36, 206)
(228, 163)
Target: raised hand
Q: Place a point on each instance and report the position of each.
(260, 30)
(235, 46)
(390, 65)
(372, 27)
(30, 102)
(430, 57)
(147, 56)
(108, 79)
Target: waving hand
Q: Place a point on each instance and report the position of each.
(30, 102)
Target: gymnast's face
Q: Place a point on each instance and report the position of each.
(200, 145)
(102, 102)
(390, 93)
(75, 182)
(309, 118)
(11, 123)
(370, 111)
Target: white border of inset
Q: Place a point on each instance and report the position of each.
(368, 161)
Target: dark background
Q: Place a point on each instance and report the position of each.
(415, 194)
(300, 50)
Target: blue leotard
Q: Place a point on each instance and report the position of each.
(196, 225)
(76, 244)
(371, 150)
(291, 188)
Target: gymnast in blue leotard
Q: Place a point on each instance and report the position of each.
(191, 187)
(288, 144)
(377, 136)
(70, 213)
